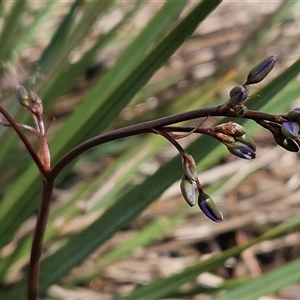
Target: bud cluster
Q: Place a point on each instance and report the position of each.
(237, 141)
(192, 191)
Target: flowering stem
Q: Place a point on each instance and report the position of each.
(25, 140)
(160, 126)
(147, 127)
(37, 243)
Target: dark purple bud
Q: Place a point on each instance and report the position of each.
(261, 70)
(22, 96)
(246, 139)
(209, 208)
(188, 190)
(294, 115)
(238, 95)
(286, 143)
(240, 110)
(189, 166)
(290, 129)
(241, 150)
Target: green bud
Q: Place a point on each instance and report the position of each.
(189, 166)
(261, 70)
(209, 208)
(238, 95)
(239, 129)
(35, 103)
(290, 129)
(188, 190)
(22, 96)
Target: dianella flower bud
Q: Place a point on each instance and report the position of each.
(290, 129)
(246, 139)
(261, 70)
(241, 150)
(189, 191)
(35, 103)
(286, 143)
(238, 95)
(237, 128)
(22, 96)
(294, 115)
(189, 166)
(209, 208)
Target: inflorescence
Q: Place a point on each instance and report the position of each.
(284, 128)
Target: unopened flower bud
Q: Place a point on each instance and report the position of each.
(290, 129)
(241, 150)
(286, 143)
(261, 70)
(240, 110)
(238, 95)
(36, 103)
(238, 129)
(189, 166)
(22, 96)
(188, 190)
(246, 139)
(294, 115)
(209, 208)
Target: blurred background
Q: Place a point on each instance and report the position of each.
(65, 65)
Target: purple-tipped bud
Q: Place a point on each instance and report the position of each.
(238, 95)
(286, 143)
(188, 190)
(240, 110)
(189, 166)
(294, 115)
(241, 150)
(22, 96)
(261, 70)
(290, 129)
(247, 140)
(209, 208)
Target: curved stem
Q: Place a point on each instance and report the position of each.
(37, 243)
(147, 127)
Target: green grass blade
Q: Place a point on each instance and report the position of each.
(58, 41)
(161, 288)
(270, 282)
(65, 79)
(11, 25)
(125, 78)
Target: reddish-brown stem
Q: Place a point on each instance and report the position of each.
(37, 243)
(24, 140)
(170, 139)
(147, 127)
